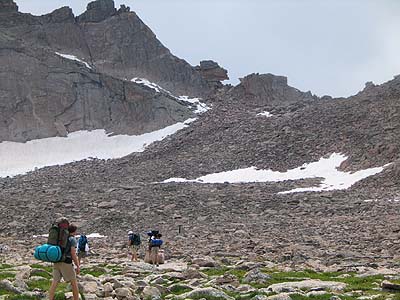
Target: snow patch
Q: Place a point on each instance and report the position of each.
(325, 168)
(20, 158)
(265, 114)
(73, 57)
(152, 85)
(200, 107)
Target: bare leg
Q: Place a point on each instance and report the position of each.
(134, 255)
(52, 290)
(75, 290)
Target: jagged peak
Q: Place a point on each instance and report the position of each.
(60, 15)
(97, 11)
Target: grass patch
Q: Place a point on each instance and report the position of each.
(60, 296)
(43, 284)
(278, 277)
(319, 297)
(41, 273)
(238, 273)
(7, 275)
(5, 266)
(96, 271)
(22, 297)
(362, 283)
(208, 297)
(179, 289)
(42, 267)
(4, 292)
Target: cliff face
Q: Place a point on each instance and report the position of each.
(43, 93)
(115, 42)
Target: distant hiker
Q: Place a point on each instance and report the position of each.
(83, 248)
(155, 245)
(134, 244)
(65, 269)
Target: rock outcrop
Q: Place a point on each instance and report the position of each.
(269, 89)
(7, 6)
(98, 11)
(212, 72)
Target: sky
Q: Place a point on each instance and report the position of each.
(331, 47)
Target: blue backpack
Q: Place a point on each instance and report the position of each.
(156, 242)
(82, 243)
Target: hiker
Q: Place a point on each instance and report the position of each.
(155, 245)
(66, 269)
(83, 248)
(134, 244)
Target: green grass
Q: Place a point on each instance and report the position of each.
(59, 296)
(4, 292)
(95, 271)
(22, 297)
(42, 267)
(278, 277)
(238, 273)
(7, 275)
(361, 283)
(43, 284)
(41, 273)
(5, 266)
(319, 297)
(179, 289)
(206, 297)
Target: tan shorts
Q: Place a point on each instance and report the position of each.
(134, 249)
(155, 250)
(63, 270)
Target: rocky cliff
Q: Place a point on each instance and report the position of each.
(115, 42)
(61, 73)
(44, 94)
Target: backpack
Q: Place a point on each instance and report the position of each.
(58, 236)
(82, 243)
(134, 239)
(156, 243)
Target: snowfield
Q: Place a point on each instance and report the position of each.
(20, 158)
(325, 168)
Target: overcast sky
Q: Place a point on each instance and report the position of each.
(327, 46)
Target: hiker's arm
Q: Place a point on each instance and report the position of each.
(75, 259)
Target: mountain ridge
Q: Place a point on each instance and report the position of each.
(261, 122)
